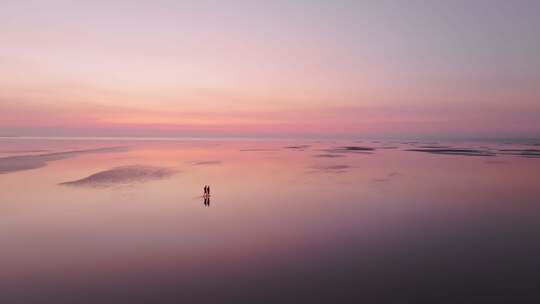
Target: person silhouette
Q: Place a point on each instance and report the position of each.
(208, 190)
(205, 189)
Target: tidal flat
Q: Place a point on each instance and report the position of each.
(92, 221)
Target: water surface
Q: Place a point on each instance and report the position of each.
(124, 221)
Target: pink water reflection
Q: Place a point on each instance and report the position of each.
(273, 209)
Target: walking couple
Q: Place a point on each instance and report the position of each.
(206, 190)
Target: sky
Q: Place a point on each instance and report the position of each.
(270, 68)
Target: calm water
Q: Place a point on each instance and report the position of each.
(124, 221)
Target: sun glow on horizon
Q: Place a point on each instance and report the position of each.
(248, 68)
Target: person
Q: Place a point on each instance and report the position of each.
(205, 189)
(208, 190)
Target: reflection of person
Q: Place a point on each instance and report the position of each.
(206, 201)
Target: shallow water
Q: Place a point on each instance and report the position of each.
(124, 221)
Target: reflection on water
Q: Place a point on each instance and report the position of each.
(27, 162)
(294, 222)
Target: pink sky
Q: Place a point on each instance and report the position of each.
(272, 68)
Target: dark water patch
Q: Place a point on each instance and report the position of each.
(434, 147)
(336, 167)
(387, 178)
(300, 147)
(123, 175)
(425, 144)
(356, 148)
(207, 163)
(388, 147)
(455, 151)
(331, 168)
(256, 150)
(531, 153)
(26, 162)
(351, 149)
(329, 155)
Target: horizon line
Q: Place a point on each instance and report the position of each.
(535, 140)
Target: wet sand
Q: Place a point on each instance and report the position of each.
(125, 175)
